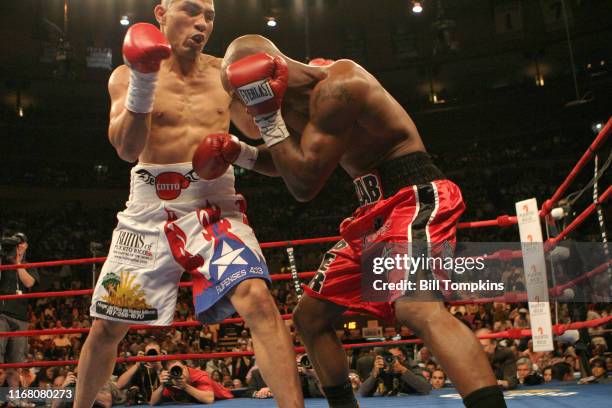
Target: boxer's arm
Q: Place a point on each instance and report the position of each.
(127, 131)
(245, 123)
(306, 163)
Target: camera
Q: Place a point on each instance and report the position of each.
(8, 246)
(305, 361)
(389, 360)
(152, 352)
(176, 372)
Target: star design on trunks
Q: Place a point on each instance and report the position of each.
(229, 256)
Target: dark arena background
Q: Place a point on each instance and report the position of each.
(508, 95)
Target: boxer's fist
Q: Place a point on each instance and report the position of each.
(144, 48)
(214, 154)
(260, 81)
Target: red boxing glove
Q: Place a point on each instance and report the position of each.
(214, 155)
(260, 81)
(144, 48)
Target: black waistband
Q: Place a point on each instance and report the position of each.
(412, 169)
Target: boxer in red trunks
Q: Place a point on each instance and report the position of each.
(314, 118)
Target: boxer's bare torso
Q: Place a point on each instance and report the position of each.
(187, 107)
(349, 103)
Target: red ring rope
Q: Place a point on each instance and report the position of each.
(513, 334)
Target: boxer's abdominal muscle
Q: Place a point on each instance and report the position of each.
(185, 111)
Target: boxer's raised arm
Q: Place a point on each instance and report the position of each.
(127, 131)
(306, 163)
(132, 89)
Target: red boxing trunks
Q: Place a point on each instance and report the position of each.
(426, 210)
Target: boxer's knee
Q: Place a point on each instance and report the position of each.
(314, 316)
(253, 301)
(107, 331)
(420, 316)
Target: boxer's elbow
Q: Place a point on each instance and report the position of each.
(126, 151)
(126, 154)
(304, 192)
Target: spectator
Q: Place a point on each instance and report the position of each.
(311, 387)
(206, 337)
(547, 374)
(14, 313)
(562, 372)
(258, 386)
(245, 342)
(438, 379)
(355, 380)
(502, 361)
(141, 379)
(424, 355)
(216, 376)
(526, 374)
(389, 366)
(599, 371)
(108, 395)
(180, 383)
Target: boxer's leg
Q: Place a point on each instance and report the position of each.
(314, 320)
(97, 360)
(453, 344)
(271, 341)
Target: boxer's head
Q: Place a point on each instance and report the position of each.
(299, 74)
(187, 24)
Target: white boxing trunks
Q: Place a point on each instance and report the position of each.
(174, 222)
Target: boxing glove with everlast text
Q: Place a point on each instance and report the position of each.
(260, 81)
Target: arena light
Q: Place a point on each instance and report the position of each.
(20, 112)
(271, 22)
(417, 7)
(596, 127)
(125, 21)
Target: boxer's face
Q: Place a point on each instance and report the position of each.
(187, 25)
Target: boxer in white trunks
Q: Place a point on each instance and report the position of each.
(165, 101)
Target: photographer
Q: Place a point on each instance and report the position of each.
(180, 383)
(108, 395)
(141, 379)
(502, 361)
(14, 313)
(311, 387)
(392, 374)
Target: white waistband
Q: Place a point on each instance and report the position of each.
(176, 183)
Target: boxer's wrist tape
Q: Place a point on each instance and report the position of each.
(141, 92)
(248, 155)
(272, 128)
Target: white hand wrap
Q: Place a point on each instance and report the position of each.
(141, 92)
(272, 128)
(248, 155)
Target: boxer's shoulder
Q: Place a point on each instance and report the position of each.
(120, 75)
(118, 82)
(342, 91)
